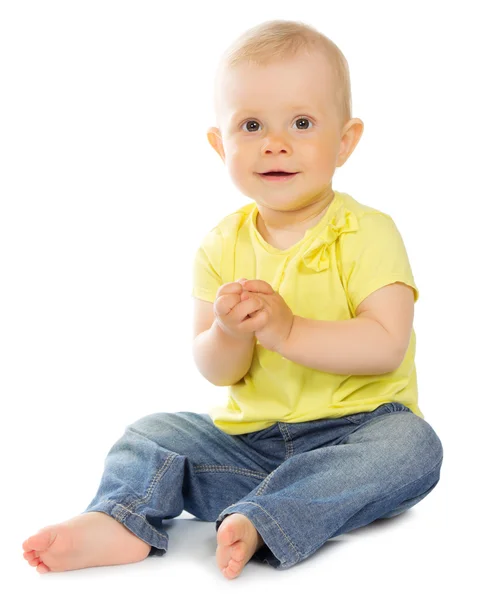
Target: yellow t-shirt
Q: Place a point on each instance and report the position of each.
(351, 252)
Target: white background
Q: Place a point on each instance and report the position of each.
(107, 186)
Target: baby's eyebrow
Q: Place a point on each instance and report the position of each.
(304, 109)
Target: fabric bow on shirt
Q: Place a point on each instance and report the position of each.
(317, 255)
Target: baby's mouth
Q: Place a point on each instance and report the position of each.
(277, 175)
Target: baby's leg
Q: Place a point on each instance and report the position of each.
(98, 536)
(339, 475)
(164, 463)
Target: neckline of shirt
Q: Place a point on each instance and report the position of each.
(312, 231)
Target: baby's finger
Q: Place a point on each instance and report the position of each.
(258, 285)
(229, 288)
(224, 304)
(257, 319)
(245, 308)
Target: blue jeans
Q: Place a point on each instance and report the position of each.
(300, 484)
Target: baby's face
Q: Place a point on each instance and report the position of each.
(279, 117)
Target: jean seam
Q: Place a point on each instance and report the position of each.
(263, 486)
(135, 503)
(288, 439)
(289, 452)
(201, 468)
(276, 523)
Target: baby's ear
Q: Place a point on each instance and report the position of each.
(215, 140)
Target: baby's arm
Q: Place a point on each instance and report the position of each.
(374, 342)
(222, 359)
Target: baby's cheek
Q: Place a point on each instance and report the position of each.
(240, 174)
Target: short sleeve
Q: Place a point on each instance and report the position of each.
(374, 256)
(206, 267)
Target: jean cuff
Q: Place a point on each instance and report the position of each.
(279, 550)
(135, 522)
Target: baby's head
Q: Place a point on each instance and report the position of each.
(283, 103)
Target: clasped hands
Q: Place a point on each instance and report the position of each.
(250, 307)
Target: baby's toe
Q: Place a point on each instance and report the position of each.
(42, 568)
(41, 541)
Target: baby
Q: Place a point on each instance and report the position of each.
(304, 304)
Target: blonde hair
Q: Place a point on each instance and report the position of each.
(276, 40)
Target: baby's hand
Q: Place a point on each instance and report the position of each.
(236, 316)
(266, 288)
(276, 317)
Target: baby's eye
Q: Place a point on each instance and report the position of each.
(303, 124)
(301, 121)
(246, 125)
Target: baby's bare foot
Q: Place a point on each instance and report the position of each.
(237, 542)
(91, 539)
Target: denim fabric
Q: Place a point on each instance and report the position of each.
(299, 483)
